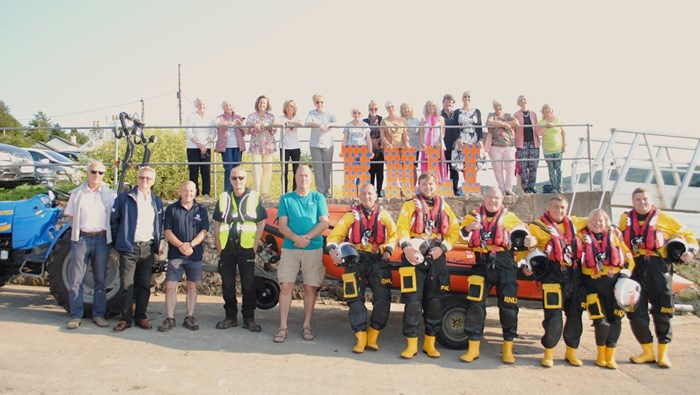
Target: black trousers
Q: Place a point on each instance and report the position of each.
(432, 280)
(562, 291)
(195, 155)
(601, 298)
(372, 271)
(655, 277)
(235, 257)
(502, 274)
(294, 155)
(376, 170)
(454, 174)
(135, 270)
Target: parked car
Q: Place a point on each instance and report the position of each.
(16, 166)
(64, 169)
(76, 156)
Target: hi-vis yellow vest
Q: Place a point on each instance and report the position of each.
(243, 221)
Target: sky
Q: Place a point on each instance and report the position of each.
(623, 64)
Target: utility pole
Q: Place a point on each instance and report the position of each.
(143, 111)
(179, 95)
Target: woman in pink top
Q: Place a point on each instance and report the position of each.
(431, 127)
(262, 144)
(527, 145)
(230, 141)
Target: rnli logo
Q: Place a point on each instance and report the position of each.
(510, 299)
(667, 310)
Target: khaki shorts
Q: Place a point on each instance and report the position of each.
(310, 262)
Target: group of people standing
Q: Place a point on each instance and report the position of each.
(512, 141)
(577, 261)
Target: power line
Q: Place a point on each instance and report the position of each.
(108, 107)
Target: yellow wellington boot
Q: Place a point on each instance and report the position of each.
(411, 348)
(571, 357)
(472, 353)
(361, 342)
(429, 347)
(600, 359)
(508, 356)
(372, 336)
(664, 361)
(610, 358)
(548, 360)
(647, 355)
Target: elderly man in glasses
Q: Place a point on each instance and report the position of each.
(88, 210)
(137, 226)
(239, 220)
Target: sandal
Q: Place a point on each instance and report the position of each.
(281, 336)
(307, 334)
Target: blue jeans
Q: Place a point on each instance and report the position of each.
(234, 156)
(83, 252)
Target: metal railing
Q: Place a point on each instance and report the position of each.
(278, 166)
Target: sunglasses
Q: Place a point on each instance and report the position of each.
(97, 172)
(234, 178)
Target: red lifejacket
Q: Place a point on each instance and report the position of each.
(643, 236)
(371, 227)
(561, 248)
(422, 215)
(600, 253)
(493, 232)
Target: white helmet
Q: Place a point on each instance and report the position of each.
(422, 246)
(536, 260)
(675, 248)
(627, 292)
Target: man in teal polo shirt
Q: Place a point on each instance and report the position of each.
(303, 216)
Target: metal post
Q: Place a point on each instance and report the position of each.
(590, 159)
(179, 95)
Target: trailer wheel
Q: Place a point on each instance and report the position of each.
(454, 316)
(58, 279)
(268, 293)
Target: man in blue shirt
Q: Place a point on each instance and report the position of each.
(186, 225)
(303, 216)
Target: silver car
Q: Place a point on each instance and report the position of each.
(64, 169)
(16, 166)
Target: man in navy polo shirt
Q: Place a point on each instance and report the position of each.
(186, 225)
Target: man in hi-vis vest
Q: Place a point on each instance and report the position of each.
(239, 220)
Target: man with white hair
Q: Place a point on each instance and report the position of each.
(88, 209)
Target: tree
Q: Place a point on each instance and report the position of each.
(40, 120)
(6, 119)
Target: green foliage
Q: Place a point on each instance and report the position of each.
(15, 137)
(169, 148)
(40, 120)
(27, 191)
